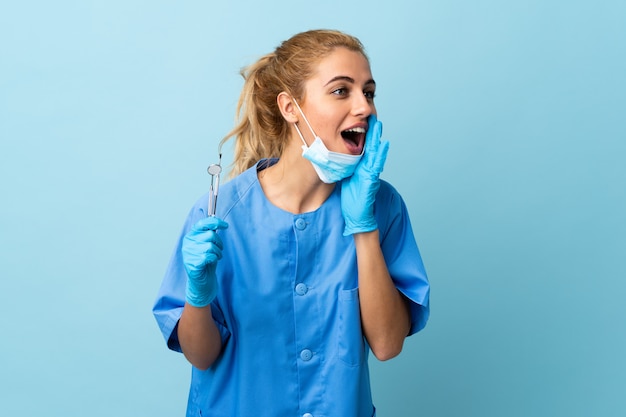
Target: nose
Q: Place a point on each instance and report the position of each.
(362, 106)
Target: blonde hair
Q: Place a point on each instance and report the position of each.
(260, 130)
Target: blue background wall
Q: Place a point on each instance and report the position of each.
(508, 142)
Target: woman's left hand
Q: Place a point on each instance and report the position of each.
(358, 192)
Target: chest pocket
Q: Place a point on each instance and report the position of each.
(350, 345)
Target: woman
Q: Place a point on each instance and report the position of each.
(310, 262)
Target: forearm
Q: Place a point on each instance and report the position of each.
(384, 310)
(199, 338)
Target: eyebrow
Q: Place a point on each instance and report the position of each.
(348, 79)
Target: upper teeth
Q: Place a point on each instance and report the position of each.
(356, 130)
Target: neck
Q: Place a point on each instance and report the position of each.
(292, 184)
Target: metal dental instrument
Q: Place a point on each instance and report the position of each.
(214, 170)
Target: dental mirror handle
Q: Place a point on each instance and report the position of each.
(214, 170)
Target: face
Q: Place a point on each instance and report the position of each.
(338, 99)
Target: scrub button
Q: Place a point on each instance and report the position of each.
(307, 415)
(301, 289)
(300, 224)
(306, 355)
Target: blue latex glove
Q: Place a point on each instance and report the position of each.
(358, 192)
(202, 248)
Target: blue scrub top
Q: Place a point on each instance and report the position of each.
(288, 305)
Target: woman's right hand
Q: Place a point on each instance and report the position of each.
(202, 248)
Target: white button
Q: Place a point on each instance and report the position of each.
(300, 224)
(307, 415)
(301, 289)
(306, 355)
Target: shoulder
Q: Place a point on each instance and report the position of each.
(390, 210)
(229, 194)
(387, 188)
(236, 190)
(388, 196)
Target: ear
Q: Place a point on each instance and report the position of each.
(286, 107)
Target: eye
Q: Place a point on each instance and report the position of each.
(369, 94)
(340, 91)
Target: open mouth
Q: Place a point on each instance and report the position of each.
(354, 139)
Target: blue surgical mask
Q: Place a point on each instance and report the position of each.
(330, 166)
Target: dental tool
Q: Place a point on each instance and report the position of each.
(214, 171)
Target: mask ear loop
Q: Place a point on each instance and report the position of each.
(305, 120)
(304, 145)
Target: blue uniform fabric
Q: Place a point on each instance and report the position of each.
(287, 305)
